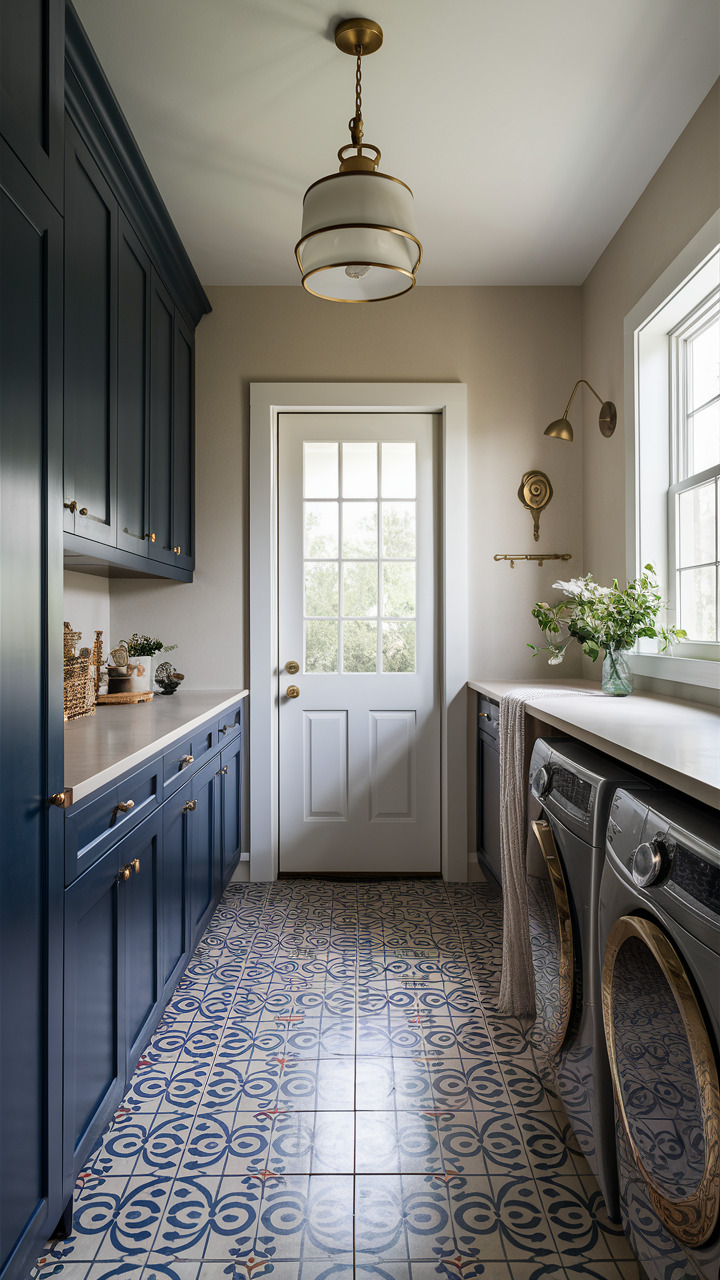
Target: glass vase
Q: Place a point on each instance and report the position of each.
(617, 677)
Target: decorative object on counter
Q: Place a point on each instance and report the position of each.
(358, 241)
(97, 662)
(605, 618)
(550, 555)
(142, 659)
(168, 678)
(78, 678)
(561, 429)
(535, 493)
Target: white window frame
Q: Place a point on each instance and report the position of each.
(650, 452)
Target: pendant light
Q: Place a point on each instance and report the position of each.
(358, 240)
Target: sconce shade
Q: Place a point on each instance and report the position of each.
(561, 429)
(355, 220)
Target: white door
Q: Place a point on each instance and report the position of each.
(360, 745)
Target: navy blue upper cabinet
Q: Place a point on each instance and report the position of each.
(162, 321)
(133, 429)
(31, 727)
(183, 466)
(32, 76)
(91, 295)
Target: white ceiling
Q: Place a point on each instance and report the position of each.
(527, 129)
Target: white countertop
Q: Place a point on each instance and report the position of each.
(673, 741)
(100, 748)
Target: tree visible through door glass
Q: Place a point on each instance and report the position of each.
(360, 557)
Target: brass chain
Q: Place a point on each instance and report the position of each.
(358, 83)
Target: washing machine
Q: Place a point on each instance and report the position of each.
(571, 789)
(659, 935)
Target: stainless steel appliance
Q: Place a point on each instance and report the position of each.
(659, 934)
(571, 791)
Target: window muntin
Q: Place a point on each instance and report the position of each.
(360, 557)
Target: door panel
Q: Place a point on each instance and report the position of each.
(173, 905)
(203, 846)
(162, 317)
(183, 452)
(231, 765)
(143, 851)
(33, 78)
(360, 744)
(133, 391)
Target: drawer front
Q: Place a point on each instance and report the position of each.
(186, 756)
(229, 724)
(93, 827)
(488, 719)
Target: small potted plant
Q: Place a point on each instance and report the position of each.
(604, 618)
(142, 656)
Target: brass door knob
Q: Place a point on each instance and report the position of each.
(71, 506)
(136, 865)
(83, 511)
(152, 537)
(292, 668)
(124, 874)
(292, 691)
(125, 805)
(189, 806)
(186, 760)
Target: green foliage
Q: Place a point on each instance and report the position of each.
(602, 617)
(145, 646)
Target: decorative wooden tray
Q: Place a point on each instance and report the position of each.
(118, 698)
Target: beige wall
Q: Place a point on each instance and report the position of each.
(518, 350)
(676, 203)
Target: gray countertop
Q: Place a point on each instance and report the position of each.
(100, 748)
(676, 742)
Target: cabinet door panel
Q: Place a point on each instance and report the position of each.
(231, 760)
(183, 444)
(173, 902)
(489, 806)
(94, 992)
(133, 392)
(90, 346)
(162, 320)
(30, 896)
(32, 73)
(203, 844)
(143, 851)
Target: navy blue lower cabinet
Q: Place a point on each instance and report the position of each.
(230, 809)
(142, 851)
(173, 895)
(203, 846)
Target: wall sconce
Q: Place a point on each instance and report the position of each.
(561, 429)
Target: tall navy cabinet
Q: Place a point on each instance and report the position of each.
(86, 248)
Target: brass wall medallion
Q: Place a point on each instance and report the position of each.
(670, 1033)
(535, 493)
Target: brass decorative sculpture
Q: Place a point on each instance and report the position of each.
(535, 493)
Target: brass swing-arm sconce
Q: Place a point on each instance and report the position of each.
(561, 429)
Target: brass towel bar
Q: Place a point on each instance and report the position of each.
(550, 555)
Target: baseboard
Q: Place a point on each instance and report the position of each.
(359, 875)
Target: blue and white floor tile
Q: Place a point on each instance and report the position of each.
(331, 1096)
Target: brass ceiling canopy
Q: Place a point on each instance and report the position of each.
(561, 429)
(358, 241)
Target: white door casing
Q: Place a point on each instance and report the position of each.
(267, 402)
(359, 748)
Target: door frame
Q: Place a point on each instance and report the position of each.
(267, 401)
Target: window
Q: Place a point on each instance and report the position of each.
(694, 498)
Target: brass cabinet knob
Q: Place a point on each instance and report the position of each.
(178, 550)
(152, 537)
(224, 770)
(61, 799)
(83, 511)
(71, 506)
(292, 668)
(189, 806)
(292, 691)
(124, 873)
(136, 865)
(186, 760)
(125, 805)
(483, 715)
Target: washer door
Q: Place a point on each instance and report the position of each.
(664, 1076)
(551, 940)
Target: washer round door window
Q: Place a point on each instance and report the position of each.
(664, 1075)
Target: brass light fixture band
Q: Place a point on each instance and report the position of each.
(365, 173)
(362, 32)
(691, 1219)
(333, 266)
(358, 226)
(545, 838)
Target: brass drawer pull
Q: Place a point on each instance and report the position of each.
(136, 865)
(186, 760)
(189, 806)
(483, 715)
(124, 806)
(224, 770)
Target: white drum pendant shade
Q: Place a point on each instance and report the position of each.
(360, 219)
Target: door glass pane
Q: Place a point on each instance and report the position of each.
(399, 590)
(398, 529)
(360, 470)
(321, 470)
(697, 524)
(321, 646)
(698, 602)
(360, 646)
(398, 646)
(360, 589)
(705, 382)
(398, 471)
(321, 590)
(321, 530)
(360, 529)
(704, 438)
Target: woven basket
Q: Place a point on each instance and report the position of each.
(78, 678)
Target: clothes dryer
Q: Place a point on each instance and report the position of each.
(571, 789)
(659, 934)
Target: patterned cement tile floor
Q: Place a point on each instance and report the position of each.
(331, 1095)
